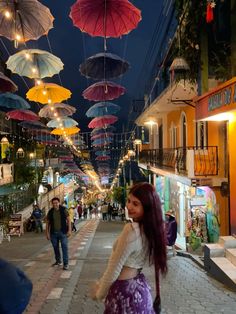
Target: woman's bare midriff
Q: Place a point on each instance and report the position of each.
(128, 273)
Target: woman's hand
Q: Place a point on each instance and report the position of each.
(93, 290)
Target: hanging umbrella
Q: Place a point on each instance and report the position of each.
(101, 135)
(109, 128)
(102, 140)
(22, 114)
(7, 85)
(10, 100)
(48, 93)
(101, 109)
(63, 122)
(34, 63)
(102, 121)
(110, 18)
(102, 152)
(28, 19)
(59, 110)
(65, 131)
(104, 90)
(104, 66)
(102, 158)
(32, 125)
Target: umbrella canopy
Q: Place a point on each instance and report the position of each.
(101, 109)
(102, 152)
(102, 158)
(48, 93)
(30, 20)
(101, 135)
(7, 85)
(110, 18)
(63, 122)
(104, 66)
(32, 125)
(34, 63)
(59, 110)
(109, 128)
(102, 121)
(65, 131)
(22, 114)
(10, 100)
(104, 90)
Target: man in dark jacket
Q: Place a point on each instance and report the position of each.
(58, 229)
(15, 289)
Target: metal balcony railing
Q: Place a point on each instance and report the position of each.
(190, 161)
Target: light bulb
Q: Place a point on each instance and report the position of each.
(7, 14)
(27, 55)
(18, 37)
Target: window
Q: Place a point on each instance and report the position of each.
(201, 134)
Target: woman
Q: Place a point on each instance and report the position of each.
(123, 285)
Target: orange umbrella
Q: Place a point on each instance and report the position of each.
(65, 131)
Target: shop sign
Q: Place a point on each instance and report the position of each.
(222, 98)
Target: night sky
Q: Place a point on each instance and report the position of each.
(73, 47)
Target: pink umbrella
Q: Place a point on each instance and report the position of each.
(101, 135)
(104, 90)
(103, 158)
(22, 114)
(103, 121)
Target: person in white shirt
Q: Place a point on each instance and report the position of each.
(123, 286)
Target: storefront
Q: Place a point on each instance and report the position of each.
(195, 209)
(218, 107)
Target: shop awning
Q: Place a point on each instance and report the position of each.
(174, 97)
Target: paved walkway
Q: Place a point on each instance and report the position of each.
(186, 288)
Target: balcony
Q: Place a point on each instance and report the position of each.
(6, 173)
(190, 161)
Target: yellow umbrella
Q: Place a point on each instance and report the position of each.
(65, 131)
(47, 93)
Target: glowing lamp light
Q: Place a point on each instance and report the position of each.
(224, 116)
(4, 140)
(18, 37)
(49, 101)
(7, 14)
(27, 56)
(150, 123)
(137, 142)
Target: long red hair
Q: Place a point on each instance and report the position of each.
(152, 225)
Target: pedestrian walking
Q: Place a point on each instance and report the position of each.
(71, 212)
(80, 210)
(58, 229)
(104, 210)
(37, 216)
(123, 285)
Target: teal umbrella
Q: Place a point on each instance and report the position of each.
(102, 109)
(34, 63)
(13, 101)
(63, 122)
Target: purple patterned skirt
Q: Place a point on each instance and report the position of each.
(131, 296)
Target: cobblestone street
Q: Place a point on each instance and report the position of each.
(186, 288)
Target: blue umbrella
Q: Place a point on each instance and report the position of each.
(110, 128)
(101, 141)
(102, 153)
(102, 109)
(103, 65)
(10, 100)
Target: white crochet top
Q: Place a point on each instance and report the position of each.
(130, 249)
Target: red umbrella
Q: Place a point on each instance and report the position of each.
(99, 122)
(101, 135)
(103, 158)
(104, 90)
(23, 115)
(109, 18)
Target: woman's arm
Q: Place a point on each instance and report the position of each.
(125, 245)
